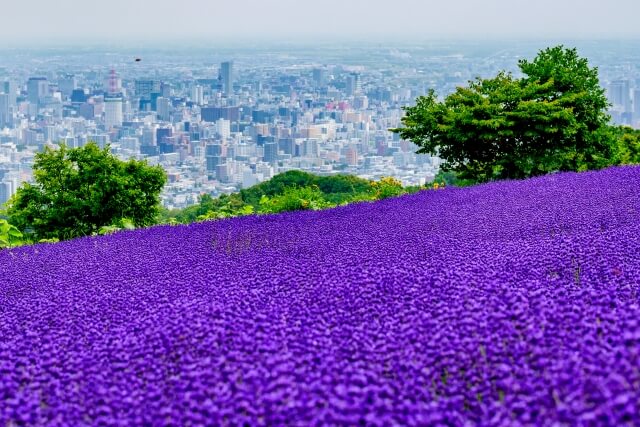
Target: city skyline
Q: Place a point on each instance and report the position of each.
(43, 22)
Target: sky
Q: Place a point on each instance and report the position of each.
(79, 21)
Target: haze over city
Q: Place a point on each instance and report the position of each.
(44, 22)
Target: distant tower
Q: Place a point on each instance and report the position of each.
(319, 77)
(197, 94)
(5, 115)
(354, 85)
(226, 75)
(113, 104)
(37, 88)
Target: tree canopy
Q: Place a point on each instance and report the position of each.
(553, 118)
(77, 191)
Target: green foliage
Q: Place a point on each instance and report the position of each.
(52, 240)
(628, 141)
(289, 191)
(336, 188)
(227, 211)
(387, 187)
(10, 236)
(554, 118)
(294, 199)
(450, 179)
(121, 224)
(78, 191)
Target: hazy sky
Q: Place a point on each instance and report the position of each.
(115, 20)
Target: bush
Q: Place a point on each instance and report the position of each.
(295, 199)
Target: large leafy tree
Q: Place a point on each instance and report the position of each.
(553, 118)
(77, 191)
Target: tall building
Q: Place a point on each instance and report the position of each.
(354, 85)
(223, 128)
(213, 155)
(112, 111)
(212, 114)
(67, 85)
(37, 88)
(164, 108)
(6, 191)
(271, 152)
(226, 75)
(620, 94)
(144, 88)
(636, 106)
(113, 104)
(197, 95)
(5, 111)
(10, 88)
(319, 77)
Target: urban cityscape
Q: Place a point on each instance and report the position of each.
(221, 120)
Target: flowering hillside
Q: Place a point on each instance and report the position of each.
(502, 304)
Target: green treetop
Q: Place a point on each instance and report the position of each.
(553, 118)
(77, 191)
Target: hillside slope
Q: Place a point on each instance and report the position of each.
(501, 304)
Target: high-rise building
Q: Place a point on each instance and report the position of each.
(10, 88)
(636, 106)
(37, 88)
(113, 103)
(319, 77)
(6, 191)
(144, 88)
(5, 111)
(351, 156)
(197, 95)
(112, 111)
(213, 155)
(224, 128)
(354, 85)
(271, 152)
(226, 76)
(164, 108)
(620, 94)
(67, 85)
(212, 114)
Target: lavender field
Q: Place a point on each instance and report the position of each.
(510, 303)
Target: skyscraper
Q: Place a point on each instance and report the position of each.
(37, 88)
(112, 111)
(226, 75)
(6, 191)
(620, 94)
(113, 104)
(5, 118)
(164, 108)
(319, 76)
(197, 94)
(67, 85)
(213, 155)
(271, 152)
(354, 85)
(10, 88)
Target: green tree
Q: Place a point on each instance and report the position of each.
(78, 191)
(628, 145)
(553, 118)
